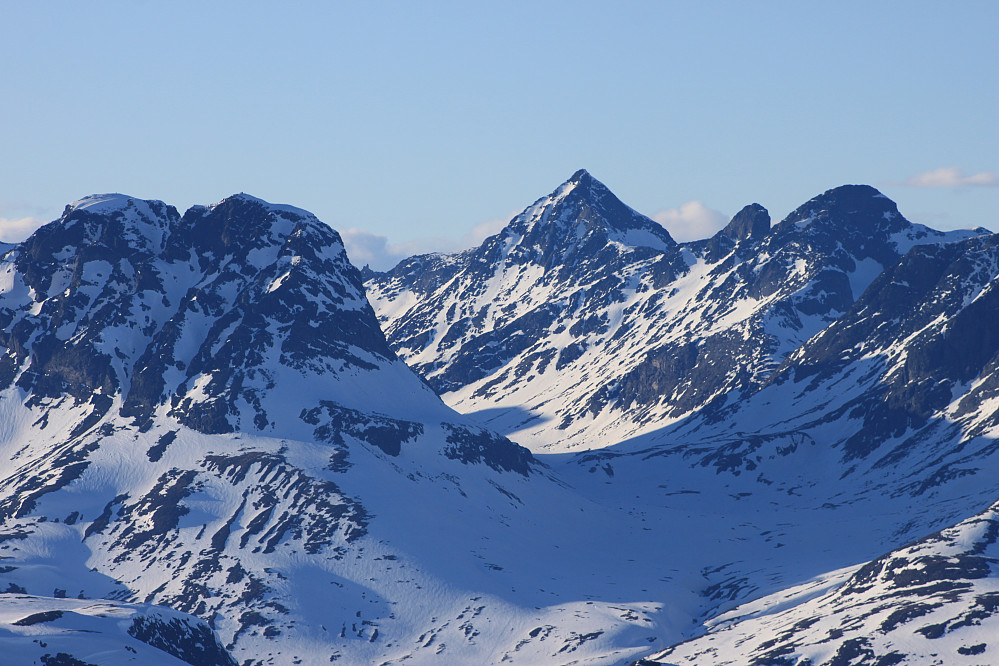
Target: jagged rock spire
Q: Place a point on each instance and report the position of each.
(753, 221)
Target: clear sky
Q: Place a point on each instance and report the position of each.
(423, 125)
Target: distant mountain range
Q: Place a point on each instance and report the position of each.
(736, 450)
(583, 323)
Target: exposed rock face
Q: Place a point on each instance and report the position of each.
(751, 222)
(922, 318)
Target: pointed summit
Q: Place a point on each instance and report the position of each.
(583, 185)
(585, 180)
(583, 208)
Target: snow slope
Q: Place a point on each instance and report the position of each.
(74, 632)
(935, 601)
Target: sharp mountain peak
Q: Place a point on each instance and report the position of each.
(581, 185)
(583, 206)
(584, 178)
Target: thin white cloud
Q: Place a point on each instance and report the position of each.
(691, 221)
(484, 230)
(15, 230)
(952, 177)
(365, 248)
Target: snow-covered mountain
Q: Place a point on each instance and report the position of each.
(582, 323)
(211, 452)
(818, 392)
(201, 412)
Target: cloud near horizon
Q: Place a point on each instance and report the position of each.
(366, 248)
(15, 230)
(951, 177)
(691, 221)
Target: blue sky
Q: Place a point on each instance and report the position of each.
(414, 126)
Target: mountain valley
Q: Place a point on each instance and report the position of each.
(580, 442)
